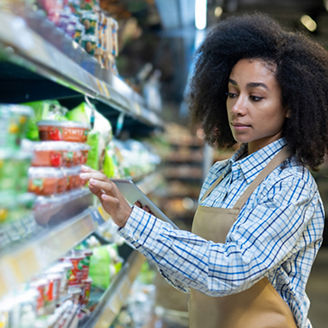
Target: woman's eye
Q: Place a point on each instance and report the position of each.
(255, 98)
(232, 95)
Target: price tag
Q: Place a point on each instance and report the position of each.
(99, 87)
(106, 90)
(103, 214)
(124, 291)
(3, 286)
(116, 304)
(24, 264)
(96, 216)
(137, 108)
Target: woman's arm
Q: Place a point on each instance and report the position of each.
(262, 238)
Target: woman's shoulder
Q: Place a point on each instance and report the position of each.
(290, 174)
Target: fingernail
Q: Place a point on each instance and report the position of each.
(104, 196)
(92, 181)
(83, 175)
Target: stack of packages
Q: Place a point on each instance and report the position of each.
(59, 149)
(63, 294)
(58, 156)
(15, 203)
(88, 25)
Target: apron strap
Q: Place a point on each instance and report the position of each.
(275, 162)
(210, 189)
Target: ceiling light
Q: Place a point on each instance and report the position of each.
(218, 11)
(309, 23)
(201, 14)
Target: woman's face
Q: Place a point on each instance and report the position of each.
(255, 112)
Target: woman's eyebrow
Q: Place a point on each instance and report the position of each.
(257, 84)
(250, 84)
(233, 82)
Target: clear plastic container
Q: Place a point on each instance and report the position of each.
(46, 181)
(84, 153)
(73, 177)
(63, 130)
(49, 153)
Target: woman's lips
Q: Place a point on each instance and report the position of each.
(240, 127)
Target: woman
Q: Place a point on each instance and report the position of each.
(260, 218)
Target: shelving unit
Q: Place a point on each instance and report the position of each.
(113, 299)
(33, 68)
(184, 172)
(21, 263)
(38, 62)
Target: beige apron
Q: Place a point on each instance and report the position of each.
(258, 307)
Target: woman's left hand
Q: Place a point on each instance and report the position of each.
(110, 197)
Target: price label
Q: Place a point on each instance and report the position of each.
(100, 89)
(106, 90)
(103, 214)
(96, 216)
(137, 108)
(116, 304)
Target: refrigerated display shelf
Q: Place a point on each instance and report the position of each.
(181, 158)
(115, 296)
(21, 263)
(22, 46)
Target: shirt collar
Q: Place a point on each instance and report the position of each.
(252, 164)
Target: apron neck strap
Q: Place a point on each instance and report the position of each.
(275, 162)
(210, 189)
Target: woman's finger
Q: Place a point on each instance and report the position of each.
(93, 175)
(96, 191)
(106, 186)
(85, 168)
(109, 199)
(137, 203)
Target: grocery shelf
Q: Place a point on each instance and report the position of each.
(182, 158)
(21, 263)
(70, 67)
(186, 142)
(115, 296)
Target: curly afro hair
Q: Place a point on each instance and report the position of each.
(301, 71)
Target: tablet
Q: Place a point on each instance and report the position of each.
(132, 194)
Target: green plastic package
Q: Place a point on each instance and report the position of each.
(78, 114)
(104, 265)
(93, 155)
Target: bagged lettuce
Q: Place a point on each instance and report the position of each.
(93, 155)
(78, 114)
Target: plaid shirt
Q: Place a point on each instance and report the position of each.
(276, 235)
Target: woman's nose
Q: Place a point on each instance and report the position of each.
(240, 106)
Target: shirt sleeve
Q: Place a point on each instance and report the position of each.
(262, 238)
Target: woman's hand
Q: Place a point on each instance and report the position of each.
(110, 197)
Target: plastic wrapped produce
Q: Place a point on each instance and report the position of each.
(13, 124)
(65, 131)
(45, 181)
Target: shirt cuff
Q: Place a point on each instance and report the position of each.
(139, 226)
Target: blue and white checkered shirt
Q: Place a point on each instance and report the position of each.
(276, 235)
